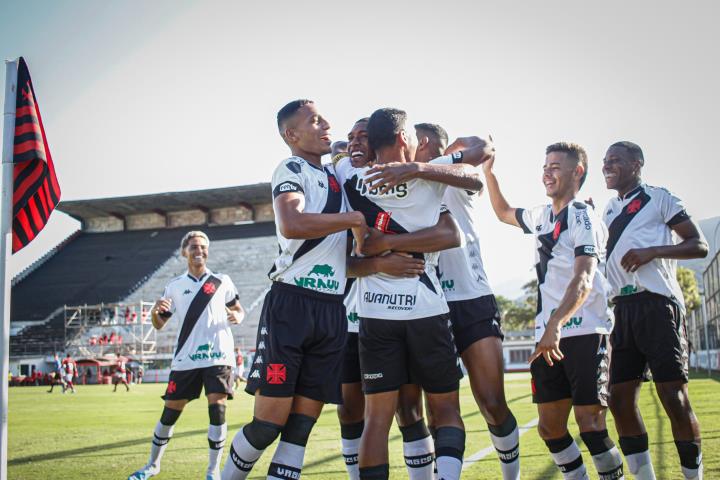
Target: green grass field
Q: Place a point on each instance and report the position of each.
(97, 434)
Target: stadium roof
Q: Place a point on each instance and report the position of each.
(167, 202)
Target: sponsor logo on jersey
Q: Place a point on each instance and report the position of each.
(276, 373)
(263, 331)
(399, 191)
(288, 187)
(353, 317)
(448, 285)
(258, 359)
(628, 290)
(261, 345)
(372, 376)
(319, 278)
(205, 352)
(187, 292)
(255, 373)
(589, 249)
(574, 322)
(321, 184)
(581, 217)
(394, 301)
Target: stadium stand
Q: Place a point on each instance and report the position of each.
(129, 247)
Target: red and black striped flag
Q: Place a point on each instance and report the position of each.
(36, 191)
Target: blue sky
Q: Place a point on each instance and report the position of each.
(143, 97)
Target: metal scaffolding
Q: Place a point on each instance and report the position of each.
(95, 331)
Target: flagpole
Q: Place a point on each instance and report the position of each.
(5, 250)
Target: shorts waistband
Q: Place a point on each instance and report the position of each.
(306, 292)
(644, 295)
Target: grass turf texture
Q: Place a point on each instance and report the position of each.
(99, 434)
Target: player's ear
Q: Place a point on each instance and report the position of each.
(423, 142)
(183, 252)
(402, 139)
(290, 135)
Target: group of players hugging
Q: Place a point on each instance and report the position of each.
(379, 291)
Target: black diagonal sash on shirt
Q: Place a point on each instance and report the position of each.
(618, 226)
(373, 213)
(545, 250)
(197, 306)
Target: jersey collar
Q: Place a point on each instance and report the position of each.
(204, 275)
(631, 193)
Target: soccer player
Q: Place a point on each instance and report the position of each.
(404, 335)
(57, 375)
(70, 371)
(474, 313)
(569, 364)
(206, 304)
(417, 443)
(649, 308)
(239, 369)
(297, 365)
(120, 375)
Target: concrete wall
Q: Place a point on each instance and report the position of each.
(144, 221)
(264, 212)
(104, 224)
(185, 218)
(230, 215)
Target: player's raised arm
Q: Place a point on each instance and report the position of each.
(441, 236)
(502, 208)
(294, 223)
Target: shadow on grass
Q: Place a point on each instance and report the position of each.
(146, 441)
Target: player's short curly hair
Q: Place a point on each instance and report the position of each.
(435, 130)
(190, 235)
(633, 149)
(573, 151)
(383, 126)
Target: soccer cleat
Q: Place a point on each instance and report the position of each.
(144, 473)
(213, 476)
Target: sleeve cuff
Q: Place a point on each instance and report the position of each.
(287, 187)
(678, 218)
(586, 250)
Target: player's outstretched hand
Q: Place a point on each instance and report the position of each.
(548, 347)
(636, 258)
(464, 143)
(386, 176)
(234, 317)
(401, 265)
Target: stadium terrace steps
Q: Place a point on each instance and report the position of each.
(98, 268)
(246, 261)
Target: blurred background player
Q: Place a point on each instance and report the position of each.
(297, 365)
(569, 365)
(649, 308)
(70, 372)
(206, 304)
(239, 372)
(338, 150)
(120, 375)
(57, 374)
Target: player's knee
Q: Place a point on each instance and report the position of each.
(261, 434)
(414, 431)
(494, 409)
(169, 416)
(216, 412)
(549, 432)
(297, 429)
(408, 415)
(597, 442)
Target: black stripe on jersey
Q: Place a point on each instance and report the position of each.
(519, 218)
(618, 226)
(678, 218)
(287, 187)
(332, 205)
(274, 267)
(197, 306)
(547, 244)
(371, 210)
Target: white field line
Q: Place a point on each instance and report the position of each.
(477, 456)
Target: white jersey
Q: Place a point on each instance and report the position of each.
(351, 301)
(208, 341)
(576, 230)
(317, 264)
(408, 207)
(642, 218)
(461, 271)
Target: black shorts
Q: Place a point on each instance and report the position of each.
(649, 331)
(300, 345)
(187, 384)
(351, 360)
(396, 352)
(473, 320)
(581, 375)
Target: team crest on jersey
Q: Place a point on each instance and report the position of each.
(209, 288)
(171, 388)
(334, 185)
(556, 230)
(634, 206)
(319, 278)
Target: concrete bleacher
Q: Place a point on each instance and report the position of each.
(245, 260)
(96, 268)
